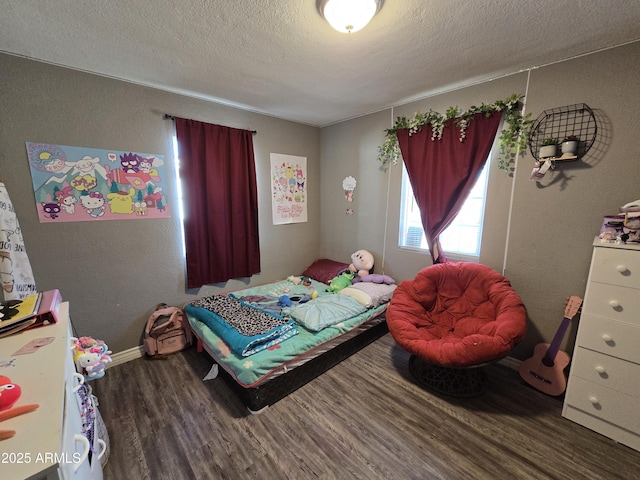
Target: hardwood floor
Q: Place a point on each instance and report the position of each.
(364, 419)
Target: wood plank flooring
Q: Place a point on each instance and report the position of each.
(364, 419)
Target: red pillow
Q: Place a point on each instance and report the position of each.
(324, 270)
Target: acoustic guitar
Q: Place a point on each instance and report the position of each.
(545, 370)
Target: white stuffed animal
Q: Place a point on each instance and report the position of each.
(361, 263)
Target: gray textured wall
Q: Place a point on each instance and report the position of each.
(542, 244)
(115, 272)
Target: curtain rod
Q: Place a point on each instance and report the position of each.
(172, 117)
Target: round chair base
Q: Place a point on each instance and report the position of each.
(454, 381)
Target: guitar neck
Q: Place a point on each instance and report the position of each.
(550, 356)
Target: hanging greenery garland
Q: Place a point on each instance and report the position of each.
(513, 138)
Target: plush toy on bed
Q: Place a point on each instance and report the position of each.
(341, 281)
(361, 263)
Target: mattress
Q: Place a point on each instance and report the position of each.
(264, 377)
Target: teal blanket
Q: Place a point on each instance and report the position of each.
(253, 370)
(244, 328)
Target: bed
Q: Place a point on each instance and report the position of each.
(302, 336)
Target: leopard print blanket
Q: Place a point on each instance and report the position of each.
(246, 320)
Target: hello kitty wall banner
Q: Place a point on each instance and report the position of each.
(77, 184)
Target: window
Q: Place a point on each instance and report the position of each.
(180, 196)
(462, 238)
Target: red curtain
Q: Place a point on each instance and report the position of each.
(443, 172)
(217, 170)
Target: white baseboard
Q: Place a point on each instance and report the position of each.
(127, 355)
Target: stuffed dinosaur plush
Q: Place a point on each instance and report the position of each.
(340, 282)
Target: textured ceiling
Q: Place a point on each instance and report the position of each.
(281, 58)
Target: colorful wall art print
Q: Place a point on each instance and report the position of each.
(77, 184)
(288, 188)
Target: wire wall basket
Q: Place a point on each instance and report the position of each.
(563, 122)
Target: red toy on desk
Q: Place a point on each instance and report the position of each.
(9, 395)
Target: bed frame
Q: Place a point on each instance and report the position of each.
(261, 396)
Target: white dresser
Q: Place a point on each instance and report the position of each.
(48, 443)
(603, 391)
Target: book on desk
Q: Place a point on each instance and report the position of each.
(37, 310)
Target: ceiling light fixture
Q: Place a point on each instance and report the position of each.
(348, 16)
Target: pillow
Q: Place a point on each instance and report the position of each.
(324, 270)
(377, 292)
(362, 297)
(377, 278)
(324, 311)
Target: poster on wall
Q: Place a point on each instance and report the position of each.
(77, 184)
(288, 188)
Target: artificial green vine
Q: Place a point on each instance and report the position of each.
(513, 138)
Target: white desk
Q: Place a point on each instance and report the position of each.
(44, 445)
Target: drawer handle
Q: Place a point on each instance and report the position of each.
(595, 402)
(80, 381)
(614, 304)
(85, 450)
(103, 447)
(622, 269)
(607, 338)
(602, 372)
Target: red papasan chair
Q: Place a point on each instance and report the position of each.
(455, 318)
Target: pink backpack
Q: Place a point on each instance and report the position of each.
(167, 331)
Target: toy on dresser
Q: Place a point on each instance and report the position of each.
(623, 227)
(90, 356)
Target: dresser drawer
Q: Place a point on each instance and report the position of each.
(619, 303)
(610, 405)
(608, 336)
(616, 266)
(607, 371)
